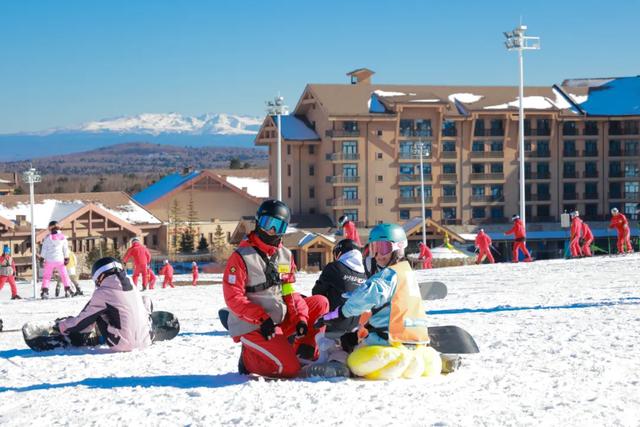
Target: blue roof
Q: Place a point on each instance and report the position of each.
(616, 97)
(163, 186)
(295, 129)
(376, 106)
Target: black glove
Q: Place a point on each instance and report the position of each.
(268, 329)
(331, 317)
(66, 261)
(348, 341)
(301, 329)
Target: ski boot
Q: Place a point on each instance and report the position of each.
(450, 363)
(331, 369)
(241, 368)
(78, 292)
(16, 296)
(44, 293)
(57, 292)
(68, 292)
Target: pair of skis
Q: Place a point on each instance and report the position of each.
(444, 339)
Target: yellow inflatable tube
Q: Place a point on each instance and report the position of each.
(377, 362)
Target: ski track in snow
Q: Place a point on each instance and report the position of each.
(536, 367)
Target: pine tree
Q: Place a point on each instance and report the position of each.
(203, 245)
(221, 249)
(186, 242)
(175, 223)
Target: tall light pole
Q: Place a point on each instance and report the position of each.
(277, 108)
(516, 40)
(32, 176)
(423, 151)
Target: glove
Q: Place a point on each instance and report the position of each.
(66, 261)
(301, 329)
(331, 317)
(268, 329)
(348, 341)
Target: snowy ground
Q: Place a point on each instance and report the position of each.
(571, 359)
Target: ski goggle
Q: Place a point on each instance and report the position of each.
(384, 247)
(267, 222)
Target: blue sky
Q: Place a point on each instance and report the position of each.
(66, 62)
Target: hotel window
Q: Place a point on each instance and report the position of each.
(631, 148)
(497, 190)
(352, 214)
(312, 192)
(496, 146)
(350, 126)
(407, 191)
(478, 129)
(569, 128)
(631, 169)
(569, 148)
(497, 168)
(543, 189)
(591, 147)
(569, 170)
(288, 149)
(380, 200)
(477, 190)
(591, 209)
(591, 188)
(350, 193)
(406, 170)
(378, 156)
(350, 147)
(312, 170)
(544, 210)
(449, 168)
(449, 213)
(406, 127)
(379, 132)
(497, 212)
(288, 170)
(631, 188)
(477, 167)
(404, 214)
(426, 168)
(449, 128)
(312, 149)
(477, 212)
(590, 169)
(427, 191)
(449, 146)
(427, 212)
(289, 192)
(379, 178)
(477, 146)
(423, 127)
(449, 190)
(590, 128)
(349, 169)
(497, 127)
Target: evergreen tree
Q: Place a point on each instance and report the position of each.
(221, 249)
(175, 223)
(186, 242)
(203, 245)
(235, 163)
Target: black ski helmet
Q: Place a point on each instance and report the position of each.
(105, 266)
(343, 220)
(344, 246)
(274, 208)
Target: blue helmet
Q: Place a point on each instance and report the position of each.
(388, 232)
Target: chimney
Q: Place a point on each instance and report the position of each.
(20, 220)
(361, 76)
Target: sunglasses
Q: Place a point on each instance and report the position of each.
(267, 222)
(383, 247)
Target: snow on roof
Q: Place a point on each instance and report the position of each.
(529, 102)
(255, 186)
(388, 93)
(4, 181)
(132, 213)
(467, 98)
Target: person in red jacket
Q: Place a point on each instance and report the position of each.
(587, 239)
(425, 256)
(520, 237)
(151, 277)
(8, 271)
(141, 259)
(265, 311)
(349, 230)
(483, 243)
(167, 272)
(194, 273)
(621, 224)
(576, 234)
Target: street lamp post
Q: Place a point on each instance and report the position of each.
(32, 176)
(422, 150)
(516, 40)
(277, 108)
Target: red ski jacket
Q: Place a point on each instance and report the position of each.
(139, 253)
(518, 230)
(586, 232)
(483, 240)
(425, 252)
(576, 228)
(167, 270)
(235, 294)
(351, 232)
(620, 223)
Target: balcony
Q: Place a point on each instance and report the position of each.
(487, 154)
(632, 195)
(451, 221)
(623, 130)
(570, 153)
(590, 153)
(339, 202)
(539, 197)
(415, 200)
(337, 157)
(449, 132)
(487, 199)
(616, 174)
(343, 133)
(448, 154)
(570, 196)
(624, 153)
(615, 195)
(590, 174)
(414, 178)
(416, 133)
(570, 174)
(448, 199)
(486, 176)
(537, 175)
(537, 132)
(538, 154)
(342, 179)
(590, 196)
(448, 177)
(488, 132)
(408, 155)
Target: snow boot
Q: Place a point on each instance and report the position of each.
(241, 368)
(44, 293)
(450, 362)
(68, 293)
(57, 292)
(16, 296)
(78, 292)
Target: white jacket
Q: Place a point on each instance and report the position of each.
(55, 248)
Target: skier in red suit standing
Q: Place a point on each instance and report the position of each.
(141, 259)
(587, 239)
(483, 243)
(576, 234)
(349, 230)
(520, 237)
(425, 256)
(620, 222)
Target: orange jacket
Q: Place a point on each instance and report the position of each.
(483, 240)
(518, 230)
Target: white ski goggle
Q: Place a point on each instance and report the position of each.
(106, 267)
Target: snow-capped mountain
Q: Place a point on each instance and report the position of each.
(171, 123)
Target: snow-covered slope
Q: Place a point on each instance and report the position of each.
(559, 345)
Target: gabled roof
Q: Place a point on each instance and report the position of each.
(174, 184)
(6, 223)
(608, 97)
(295, 129)
(415, 224)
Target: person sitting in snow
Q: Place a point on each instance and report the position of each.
(116, 311)
(265, 311)
(343, 275)
(398, 317)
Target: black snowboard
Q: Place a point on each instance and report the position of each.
(444, 339)
(43, 337)
(432, 290)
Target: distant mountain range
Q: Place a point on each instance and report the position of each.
(219, 130)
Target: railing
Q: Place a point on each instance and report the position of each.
(570, 153)
(449, 132)
(538, 154)
(590, 196)
(537, 175)
(590, 153)
(448, 199)
(570, 174)
(412, 178)
(343, 133)
(633, 130)
(570, 196)
(487, 198)
(570, 132)
(486, 176)
(406, 132)
(616, 174)
(343, 202)
(448, 177)
(615, 195)
(623, 153)
(342, 179)
(537, 132)
(414, 200)
(451, 221)
(539, 197)
(413, 156)
(590, 174)
(632, 195)
(488, 132)
(448, 154)
(487, 154)
(343, 156)
(590, 131)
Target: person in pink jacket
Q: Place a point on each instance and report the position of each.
(55, 253)
(116, 310)
(520, 237)
(483, 243)
(425, 256)
(167, 272)
(587, 239)
(620, 222)
(194, 273)
(576, 234)
(141, 259)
